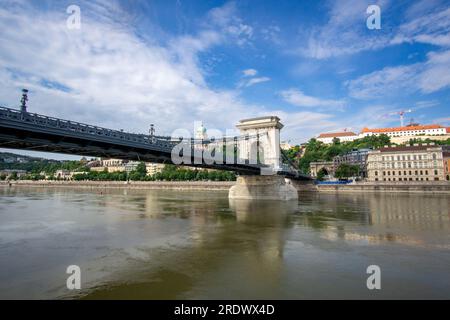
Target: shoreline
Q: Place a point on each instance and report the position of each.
(362, 187)
(431, 187)
(176, 185)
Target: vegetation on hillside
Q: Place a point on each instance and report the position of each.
(36, 166)
(428, 140)
(318, 151)
(345, 171)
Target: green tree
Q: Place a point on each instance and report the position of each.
(321, 174)
(346, 170)
(141, 169)
(336, 140)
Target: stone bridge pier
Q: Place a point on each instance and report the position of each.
(263, 150)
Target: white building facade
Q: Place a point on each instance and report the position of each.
(407, 163)
(408, 131)
(327, 138)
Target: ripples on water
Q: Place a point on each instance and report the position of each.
(162, 244)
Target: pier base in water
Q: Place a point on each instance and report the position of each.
(263, 188)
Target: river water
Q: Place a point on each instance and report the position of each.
(164, 244)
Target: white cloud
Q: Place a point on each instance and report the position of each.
(252, 81)
(113, 77)
(249, 78)
(249, 72)
(104, 74)
(432, 28)
(271, 33)
(226, 18)
(436, 73)
(298, 98)
(345, 32)
(426, 77)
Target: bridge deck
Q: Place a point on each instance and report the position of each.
(30, 131)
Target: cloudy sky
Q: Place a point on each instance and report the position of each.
(315, 64)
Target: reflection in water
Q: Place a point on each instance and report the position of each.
(162, 244)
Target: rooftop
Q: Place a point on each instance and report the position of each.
(337, 134)
(411, 148)
(406, 128)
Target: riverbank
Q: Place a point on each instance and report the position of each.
(405, 187)
(442, 187)
(177, 185)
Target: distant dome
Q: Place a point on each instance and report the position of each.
(200, 133)
(201, 129)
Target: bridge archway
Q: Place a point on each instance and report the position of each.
(266, 146)
(315, 167)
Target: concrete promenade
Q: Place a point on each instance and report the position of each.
(427, 187)
(180, 185)
(411, 187)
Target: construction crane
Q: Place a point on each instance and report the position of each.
(401, 113)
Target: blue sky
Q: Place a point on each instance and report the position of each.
(315, 64)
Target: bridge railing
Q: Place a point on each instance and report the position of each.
(51, 122)
(81, 128)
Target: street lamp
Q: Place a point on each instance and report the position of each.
(23, 106)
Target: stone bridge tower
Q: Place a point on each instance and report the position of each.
(262, 146)
(264, 149)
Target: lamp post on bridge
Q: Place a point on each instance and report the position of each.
(152, 129)
(23, 101)
(152, 132)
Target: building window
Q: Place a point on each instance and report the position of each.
(376, 173)
(426, 172)
(435, 172)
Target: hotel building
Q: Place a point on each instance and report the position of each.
(407, 163)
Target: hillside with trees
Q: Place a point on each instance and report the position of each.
(318, 151)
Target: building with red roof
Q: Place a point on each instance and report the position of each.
(342, 136)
